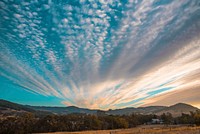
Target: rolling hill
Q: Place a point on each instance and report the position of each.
(14, 109)
(63, 110)
(175, 110)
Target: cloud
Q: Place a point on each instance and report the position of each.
(188, 94)
(106, 54)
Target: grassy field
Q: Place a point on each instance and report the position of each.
(145, 129)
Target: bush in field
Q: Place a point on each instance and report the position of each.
(167, 118)
(196, 117)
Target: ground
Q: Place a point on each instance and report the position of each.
(145, 129)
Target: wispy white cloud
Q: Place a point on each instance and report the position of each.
(101, 54)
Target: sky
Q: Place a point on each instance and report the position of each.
(103, 54)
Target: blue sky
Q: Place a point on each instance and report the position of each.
(100, 54)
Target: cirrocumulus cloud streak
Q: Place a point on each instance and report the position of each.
(102, 54)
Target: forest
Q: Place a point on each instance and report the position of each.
(30, 123)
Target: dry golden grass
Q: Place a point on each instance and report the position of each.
(147, 129)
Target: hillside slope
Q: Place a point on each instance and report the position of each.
(175, 110)
(13, 109)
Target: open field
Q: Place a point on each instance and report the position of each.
(145, 129)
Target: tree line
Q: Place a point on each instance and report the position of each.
(29, 123)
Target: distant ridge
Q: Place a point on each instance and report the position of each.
(11, 108)
(14, 106)
(63, 110)
(141, 110)
(175, 110)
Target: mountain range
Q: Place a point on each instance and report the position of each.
(10, 108)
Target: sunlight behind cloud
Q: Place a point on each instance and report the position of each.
(101, 54)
